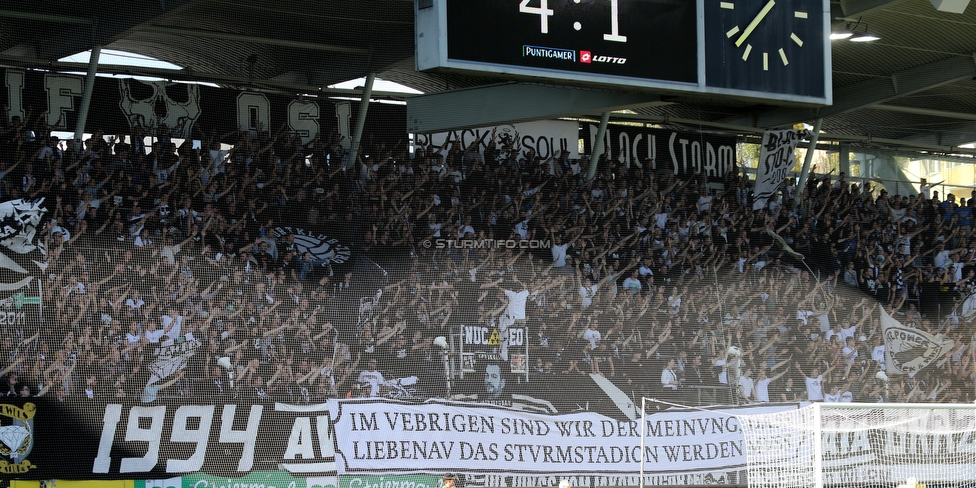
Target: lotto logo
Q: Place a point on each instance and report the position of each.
(588, 57)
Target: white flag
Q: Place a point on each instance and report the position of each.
(18, 228)
(171, 357)
(18, 224)
(907, 349)
(776, 160)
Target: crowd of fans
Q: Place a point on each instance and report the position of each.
(642, 276)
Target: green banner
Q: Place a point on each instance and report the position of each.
(256, 479)
(393, 481)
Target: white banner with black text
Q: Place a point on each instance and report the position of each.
(380, 437)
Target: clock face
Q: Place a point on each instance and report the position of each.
(774, 46)
(642, 39)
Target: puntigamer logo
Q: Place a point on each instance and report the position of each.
(548, 52)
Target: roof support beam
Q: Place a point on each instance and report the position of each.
(925, 111)
(34, 16)
(598, 146)
(952, 135)
(105, 28)
(311, 46)
(874, 91)
(855, 8)
(512, 102)
(805, 170)
(86, 99)
(192, 76)
(360, 121)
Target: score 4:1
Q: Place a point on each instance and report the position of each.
(544, 12)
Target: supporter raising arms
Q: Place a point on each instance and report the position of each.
(268, 253)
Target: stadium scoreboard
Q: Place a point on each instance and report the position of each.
(772, 50)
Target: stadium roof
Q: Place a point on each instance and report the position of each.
(915, 87)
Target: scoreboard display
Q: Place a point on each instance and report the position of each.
(777, 50)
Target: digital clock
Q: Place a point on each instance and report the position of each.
(641, 39)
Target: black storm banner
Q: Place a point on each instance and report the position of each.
(684, 153)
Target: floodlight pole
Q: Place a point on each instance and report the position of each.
(598, 146)
(96, 51)
(802, 182)
(357, 133)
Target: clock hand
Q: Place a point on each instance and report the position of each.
(752, 25)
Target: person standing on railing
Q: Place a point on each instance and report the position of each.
(925, 188)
